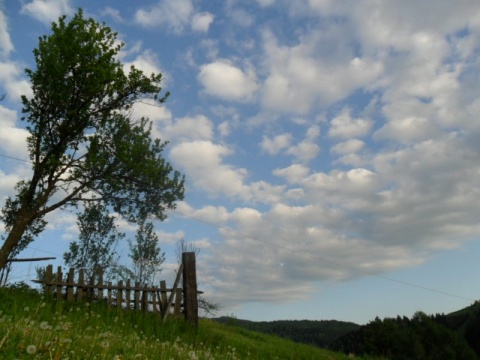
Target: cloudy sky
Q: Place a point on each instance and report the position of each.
(330, 148)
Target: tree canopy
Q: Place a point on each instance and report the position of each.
(95, 248)
(85, 144)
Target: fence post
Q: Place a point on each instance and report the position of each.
(190, 287)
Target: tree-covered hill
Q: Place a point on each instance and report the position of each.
(451, 336)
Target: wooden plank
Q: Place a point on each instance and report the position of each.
(119, 294)
(136, 301)
(127, 294)
(144, 300)
(163, 296)
(81, 283)
(157, 305)
(60, 281)
(172, 294)
(100, 284)
(190, 288)
(70, 283)
(178, 302)
(109, 296)
(91, 289)
(48, 278)
(31, 259)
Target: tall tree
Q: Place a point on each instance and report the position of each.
(147, 257)
(95, 248)
(84, 143)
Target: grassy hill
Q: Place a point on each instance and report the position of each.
(320, 333)
(34, 327)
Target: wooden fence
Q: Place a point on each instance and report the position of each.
(167, 301)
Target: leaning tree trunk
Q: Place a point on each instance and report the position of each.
(14, 237)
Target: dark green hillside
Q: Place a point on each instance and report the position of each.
(320, 333)
(452, 336)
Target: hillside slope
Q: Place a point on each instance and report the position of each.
(319, 333)
(34, 326)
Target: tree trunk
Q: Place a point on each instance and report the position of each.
(13, 238)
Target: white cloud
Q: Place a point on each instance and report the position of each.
(113, 13)
(348, 147)
(241, 17)
(294, 173)
(307, 149)
(319, 70)
(6, 45)
(265, 3)
(408, 130)
(210, 214)
(147, 61)
(272, 146)
(202, 21)
(262, 252)
(47, 11)
(15, 86)
(224, 128)
(189, 128)
(344, 126)
(304, 151)
(175, 14)
(227, 81)
(13, 140)
(202, 163)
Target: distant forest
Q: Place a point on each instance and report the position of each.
(435, 337)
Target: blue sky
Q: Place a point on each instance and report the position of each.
(330, 148)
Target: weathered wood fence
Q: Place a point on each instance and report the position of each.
(167, 301)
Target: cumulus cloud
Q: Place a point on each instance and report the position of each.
(13, 140)
(265, 3)
(300, 79)
(294, 173)
(273, 145)
(47, 11)
(262, 252)
(348, 147)
(408, 130)
(202, 162)
(189, 128)
(176, 15)
(6, 45)
(146, 60)
(307, 149)
(344, 126)
(202, 21)
(15, 86)
(113, 13)
(228, 82)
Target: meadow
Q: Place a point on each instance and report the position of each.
(33, 326)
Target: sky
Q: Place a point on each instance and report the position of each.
(328, 146)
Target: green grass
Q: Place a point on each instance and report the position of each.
(34, 327)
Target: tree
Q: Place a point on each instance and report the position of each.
(95, 248)
(84, 143)
(146, 255)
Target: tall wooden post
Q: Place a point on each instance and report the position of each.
(190, 287)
